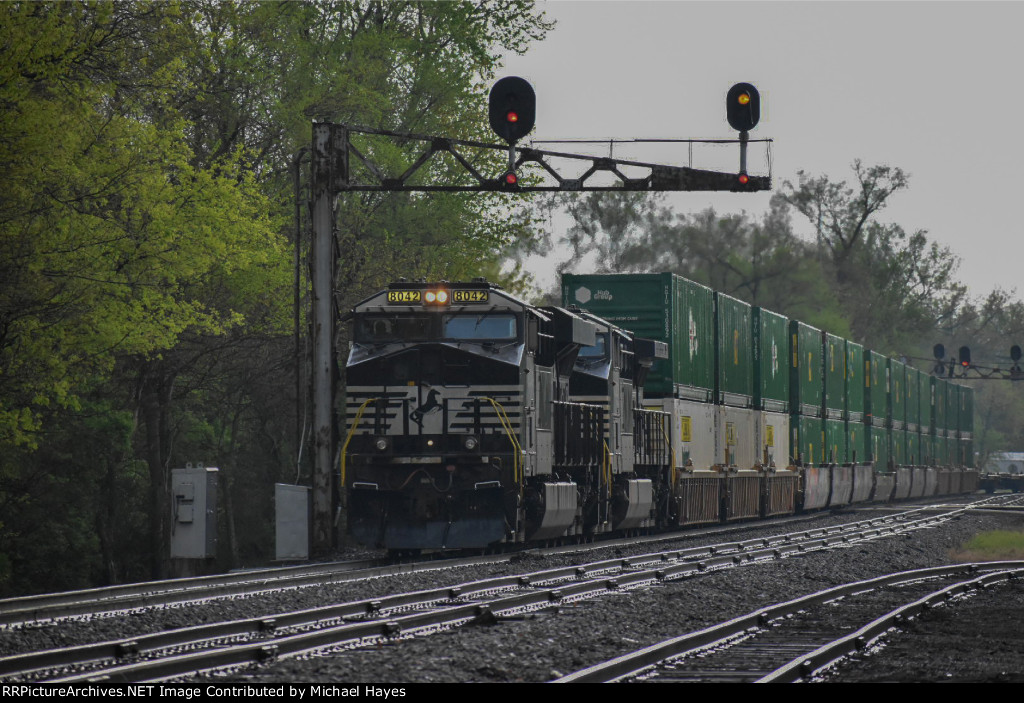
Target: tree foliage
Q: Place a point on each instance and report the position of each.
(109, 235)
(146, 243)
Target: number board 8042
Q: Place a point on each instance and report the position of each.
(469, 296)
(405, 296)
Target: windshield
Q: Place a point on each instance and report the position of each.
(598, 350)
(427, 327)
(477, 326)
(393, 328)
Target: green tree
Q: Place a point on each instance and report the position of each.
(115, 242)
(892, 286)
(144, 254)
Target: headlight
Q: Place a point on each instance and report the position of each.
(382, 444)
(470, 443)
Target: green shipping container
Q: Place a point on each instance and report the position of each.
(734, 362)
(927, 443)
(918, 407)
(771, 363)
(805, 370)
(938, 406)
(875, 371)
(808, 439)
(878, 441)
(952, 408)
(836, 451)
(914, 448)
(941, 450)
(966, 417)
(898, 447)
(898, 393)
(966, 452)
(834, 375)
(857, 447)
(659, 306)
(855, 384)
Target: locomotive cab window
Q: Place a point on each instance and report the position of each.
(598, 350)
(478, 326)
(393, 328)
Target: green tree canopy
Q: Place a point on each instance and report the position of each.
(109, 232)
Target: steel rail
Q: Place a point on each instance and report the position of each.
(552, 585)
(34, 608)
(11, 609)
(827, 654)
(634, 662)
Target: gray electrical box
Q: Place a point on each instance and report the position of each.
(193, 513)
(292, 513)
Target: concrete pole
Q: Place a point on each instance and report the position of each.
(324, 377)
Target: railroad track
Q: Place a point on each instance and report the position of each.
(239, 643)
(90, 602)
(794, 640)
(155, 594)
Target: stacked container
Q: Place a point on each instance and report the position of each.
(876, 408)
(676, 311)
(924, 419)
(966, 427)
(806, 397)
(771, 385)
(834, 412)
(938, 421)
(734, 384)
(953, 392)
(856, 433)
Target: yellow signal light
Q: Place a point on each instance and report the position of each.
(743, 99)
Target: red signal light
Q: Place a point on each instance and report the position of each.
(744, 179)
(511, 178)
(512, 116)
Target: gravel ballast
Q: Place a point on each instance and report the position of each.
(544, 645)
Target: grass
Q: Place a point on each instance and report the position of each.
(995, 545)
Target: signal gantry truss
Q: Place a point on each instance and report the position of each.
(347, 168)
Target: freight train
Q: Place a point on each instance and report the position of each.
(644, 401)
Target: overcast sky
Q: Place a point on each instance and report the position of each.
(931, 87)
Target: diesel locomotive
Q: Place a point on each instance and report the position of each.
(643, 402)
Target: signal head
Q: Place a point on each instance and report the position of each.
(509, 181)
(512, 108)
(743, 107)
(965, 357)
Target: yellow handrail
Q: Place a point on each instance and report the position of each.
(352, 431)
(506, 424)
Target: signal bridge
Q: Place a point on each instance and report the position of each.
(342, 161)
